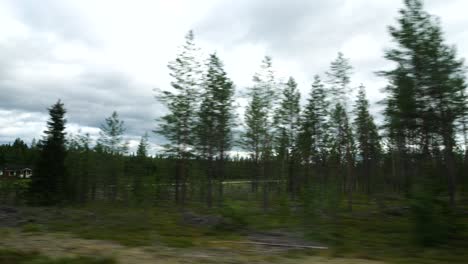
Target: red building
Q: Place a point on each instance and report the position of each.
(16, 171)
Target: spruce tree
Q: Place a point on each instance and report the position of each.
(49, 178)
(182, 103)
(367, 136)
(142, 149)
(139, 167)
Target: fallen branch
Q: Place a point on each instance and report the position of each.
(271, 244)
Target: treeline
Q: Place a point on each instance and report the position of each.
(334, 137)
(329, 145)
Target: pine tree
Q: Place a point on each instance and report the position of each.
(258, 135)
(111, 135)
(342, 142)
(215, 120)
(49, 177)
(78, 166)
(429, 72)
(342, 148)
(368, 140)
(111, 141)
(287, 123)
(338, 77)
(178, 125)
(253, 139)
(313, 138)
(341, 135)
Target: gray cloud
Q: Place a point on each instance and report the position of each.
(54, 16)
(90, 94)
(309, 33)
(303, 34)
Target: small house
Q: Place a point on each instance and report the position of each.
(16, 171)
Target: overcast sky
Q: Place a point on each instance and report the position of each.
(104, 55)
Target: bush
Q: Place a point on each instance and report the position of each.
(433, 221)
(14, 191)
(233, 219)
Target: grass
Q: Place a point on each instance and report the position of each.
(18, 257)
(131, 226)
(365, 233)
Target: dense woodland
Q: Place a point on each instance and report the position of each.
(327, 154)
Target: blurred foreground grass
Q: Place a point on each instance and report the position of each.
(366, 233)
(19, 257)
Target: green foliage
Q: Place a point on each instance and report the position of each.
(342, 141)
(426, 94)
(48, 185)
(366, 131)
(15, 191)
(287, 120)
(216, 114)
(339, 79)
(111, 135)
(215, 121)
(433, 221)
(31, 228)
(178, 124)
(258, 117)
(142, 150)
(233, 218)
(314, 135)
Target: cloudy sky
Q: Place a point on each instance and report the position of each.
(98, 56)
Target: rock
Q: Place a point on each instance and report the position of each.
(201, 220)
(396, 211)
(8, 210)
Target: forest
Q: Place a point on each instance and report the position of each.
(394, 191)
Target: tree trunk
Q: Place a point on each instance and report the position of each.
(450, 163)
(350, 177)
(209, 197)
(221, 177)
(177, 180)
(265, 185)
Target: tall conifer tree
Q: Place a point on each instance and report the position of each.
(49, 179)
(179, 124)
(431, 78)
(367, 136)
(258, 135)
(287, 126)
(314, 129)
(215, 121)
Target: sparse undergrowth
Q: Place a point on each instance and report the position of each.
(365, 233)
(18, 257)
